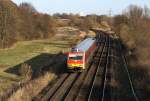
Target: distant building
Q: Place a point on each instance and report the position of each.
(82, 14)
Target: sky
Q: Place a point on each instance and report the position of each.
(83, 6)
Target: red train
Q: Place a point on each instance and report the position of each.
(81, 54)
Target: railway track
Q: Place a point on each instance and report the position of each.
(127, 88)
(98, 79)
(128, 75)
(93, 84)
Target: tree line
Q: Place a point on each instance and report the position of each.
(133, 27)
(23, 22)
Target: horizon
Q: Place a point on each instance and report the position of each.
(111, 7)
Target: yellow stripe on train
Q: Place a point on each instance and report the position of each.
(75, 65)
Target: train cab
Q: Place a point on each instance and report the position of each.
(75, 60)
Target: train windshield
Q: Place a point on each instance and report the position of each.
(75, 58)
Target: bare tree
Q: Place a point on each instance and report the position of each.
(8, 22)
(27, 7)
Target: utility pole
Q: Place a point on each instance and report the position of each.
(110, 12)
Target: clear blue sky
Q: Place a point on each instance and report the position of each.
(84, 6)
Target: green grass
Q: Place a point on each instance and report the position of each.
(26, 50)
(23, 51)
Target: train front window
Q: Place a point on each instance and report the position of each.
(76, 58)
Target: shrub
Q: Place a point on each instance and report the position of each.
(25, 70)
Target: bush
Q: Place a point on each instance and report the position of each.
(25, 70)
(133, 28)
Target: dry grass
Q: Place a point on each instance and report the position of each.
(32, 89)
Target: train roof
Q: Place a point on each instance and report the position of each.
(84, 45)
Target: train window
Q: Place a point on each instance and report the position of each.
(76, 58)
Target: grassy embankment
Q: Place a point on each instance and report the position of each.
(23, 51)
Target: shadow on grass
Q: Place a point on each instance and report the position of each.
(41, 63)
